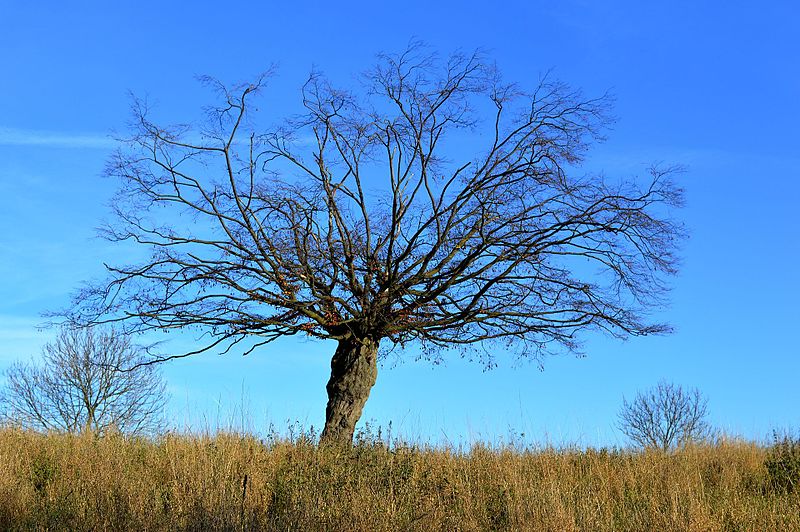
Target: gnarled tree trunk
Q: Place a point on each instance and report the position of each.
(354, 370)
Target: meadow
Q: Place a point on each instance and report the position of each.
(229, 481)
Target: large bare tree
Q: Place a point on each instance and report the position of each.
(83, 384)
(435, 203)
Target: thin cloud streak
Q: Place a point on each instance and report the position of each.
(21, 337)
(53, 139)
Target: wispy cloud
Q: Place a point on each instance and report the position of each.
(54, 139)
(21, 337)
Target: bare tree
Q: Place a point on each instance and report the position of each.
(436, 204)
(665, 416)
(80, 386)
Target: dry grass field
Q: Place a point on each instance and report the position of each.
(233, 482)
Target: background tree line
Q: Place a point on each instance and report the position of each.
(94, 380)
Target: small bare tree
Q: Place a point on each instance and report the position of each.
(437, 205)
(665, 417)
(82, 385)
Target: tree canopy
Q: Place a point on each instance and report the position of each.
(434, 203)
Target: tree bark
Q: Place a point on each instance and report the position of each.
(354, 370)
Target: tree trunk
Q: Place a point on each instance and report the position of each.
(354, 370)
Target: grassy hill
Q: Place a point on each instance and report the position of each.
(235, 482)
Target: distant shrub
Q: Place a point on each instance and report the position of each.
(43, 470)
(783, 463)
(665, 417)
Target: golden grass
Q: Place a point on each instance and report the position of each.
(53, 482)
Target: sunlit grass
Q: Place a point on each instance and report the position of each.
(227, 481)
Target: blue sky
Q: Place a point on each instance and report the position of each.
(714, 86)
